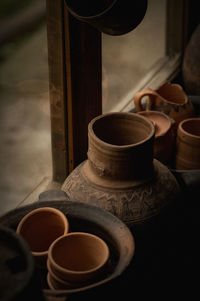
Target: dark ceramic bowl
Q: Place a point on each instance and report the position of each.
(87, 218)
(17, 268)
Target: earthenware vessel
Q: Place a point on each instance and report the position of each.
(168, 98)
(40, 227)
(120, 174)
(55, 282)
(90, 219)
(113, 17)
(164, 135)
(17, 268)
(78, 257)
(191, 64)
(188, 144)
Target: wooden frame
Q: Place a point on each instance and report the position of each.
(74, 50)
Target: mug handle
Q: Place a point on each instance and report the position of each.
(138, 98)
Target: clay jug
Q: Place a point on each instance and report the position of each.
(120, 174)
(164, 135)
(169, 99)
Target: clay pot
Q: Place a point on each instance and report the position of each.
(91, 219)
(188, 144)
(40, 227)
(77, 258)
(55, 282)
(191, 64)
(164, 135)
(18, 275)
(113, 17)
(120, 174)
(169, 99)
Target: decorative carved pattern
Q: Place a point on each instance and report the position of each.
(133, 205)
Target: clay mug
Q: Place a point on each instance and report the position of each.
(169, 99)
(188, 144)
(40, 227)
(164, 135)
(78, 258)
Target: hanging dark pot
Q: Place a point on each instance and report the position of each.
(113, 17)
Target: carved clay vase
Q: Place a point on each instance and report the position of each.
(120, 174)
(168, 98)
(164, 135)
(188, 144)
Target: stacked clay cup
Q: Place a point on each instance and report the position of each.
(188, 144)
(75, 260)
(40, 228)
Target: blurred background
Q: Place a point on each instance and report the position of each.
(25, 154)
(128, 63)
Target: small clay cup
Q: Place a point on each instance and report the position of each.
(40, 227)
(164, 135)
(188, 144)
(78, 257)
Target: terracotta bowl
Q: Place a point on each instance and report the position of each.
(91, 219)
(40, 227)
(78, 257)
(55, 283)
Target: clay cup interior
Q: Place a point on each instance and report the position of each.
(78, 257)
(188, 144)
(40, 227)
(124, 151)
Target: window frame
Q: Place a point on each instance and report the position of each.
(75, 77)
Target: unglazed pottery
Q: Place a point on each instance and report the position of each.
(78, 257)
(91, 219)
(55, 282)
(169, 98)
(120, 174)
(164, 135)
(188, 144)
(40, 227)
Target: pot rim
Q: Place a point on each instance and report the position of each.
(91, 17)
(169, 120)
(181, 129)
(172, 86)
(121, 147)
(74, 272)
(43, 209)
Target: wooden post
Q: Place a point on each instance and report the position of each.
(74, 50)
(83, 75)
